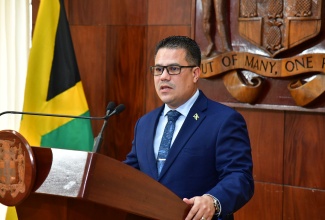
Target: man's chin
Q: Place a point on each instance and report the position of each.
(165, 98)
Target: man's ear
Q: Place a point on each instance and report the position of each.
(196, 74)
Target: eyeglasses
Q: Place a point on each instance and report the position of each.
(171, 70)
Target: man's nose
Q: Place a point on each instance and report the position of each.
(164, 73)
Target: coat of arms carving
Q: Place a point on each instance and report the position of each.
(12, 169)
(279, 25)
(247, 42)
(17, 168)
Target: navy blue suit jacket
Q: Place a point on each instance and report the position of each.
(209, 155)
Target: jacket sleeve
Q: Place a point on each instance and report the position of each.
(234, 165)
(131, 158)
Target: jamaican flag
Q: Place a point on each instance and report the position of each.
(53, 85)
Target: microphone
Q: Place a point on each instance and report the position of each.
(109, 113)
(117, 110)
(99, 139)
(110, 107)
(52, 115)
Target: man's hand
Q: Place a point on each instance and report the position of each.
(202, 208)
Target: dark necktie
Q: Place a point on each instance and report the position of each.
(167, 138)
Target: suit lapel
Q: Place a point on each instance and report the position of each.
(192, 122)
(153, 121)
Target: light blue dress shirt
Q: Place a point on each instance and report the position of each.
(184, 110)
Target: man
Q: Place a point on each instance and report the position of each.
(209, 162)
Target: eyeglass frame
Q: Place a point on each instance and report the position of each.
(166, 67)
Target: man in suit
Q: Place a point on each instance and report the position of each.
(208, 163)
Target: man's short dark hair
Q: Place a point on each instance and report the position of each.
(193, 52)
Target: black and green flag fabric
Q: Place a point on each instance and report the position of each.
(53, 85)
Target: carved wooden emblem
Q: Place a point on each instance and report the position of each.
(247, 42)
(279, 25)
(12, 168)
(17, 168)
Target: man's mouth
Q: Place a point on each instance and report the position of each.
(165, 88)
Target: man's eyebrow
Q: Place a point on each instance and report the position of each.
(171, 64)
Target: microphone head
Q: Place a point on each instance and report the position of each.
(110, 107)
(116, 111)
(119, 108)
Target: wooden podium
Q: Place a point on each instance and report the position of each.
(47, 183)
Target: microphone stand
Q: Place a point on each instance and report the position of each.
(99, 139)
(52, 115)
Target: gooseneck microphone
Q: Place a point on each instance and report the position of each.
(117, 110)
(99, 139)
(52, 115)
(110, 107)
(110, 111)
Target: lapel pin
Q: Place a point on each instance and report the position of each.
(196, 116)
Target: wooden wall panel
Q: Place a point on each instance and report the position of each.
(35, 6)
(90, 48)
(126, 72)
(108, 12)
(216, 90)
(266, 203)
(302, 203)
(305, 150)
(169, 12)
(267, 136)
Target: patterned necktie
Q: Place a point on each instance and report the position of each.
(167, 138)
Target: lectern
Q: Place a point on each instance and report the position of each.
(48, 183)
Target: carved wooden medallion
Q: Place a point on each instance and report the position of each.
(17, 169)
